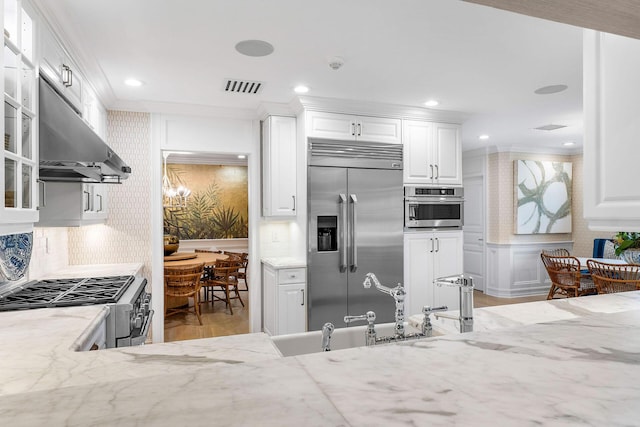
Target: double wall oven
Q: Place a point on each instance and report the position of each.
(433, 207)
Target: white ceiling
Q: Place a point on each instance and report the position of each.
(474, 59)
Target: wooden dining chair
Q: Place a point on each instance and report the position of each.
(556, 252)
(242, 271)
(612, 278)
(183, 282)
(225, 276)
(566, 277)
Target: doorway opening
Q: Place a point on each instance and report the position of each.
(206, 209)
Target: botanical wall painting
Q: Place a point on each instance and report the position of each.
(543, 194)
(218, 206)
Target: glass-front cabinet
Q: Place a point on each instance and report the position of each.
(19, 180)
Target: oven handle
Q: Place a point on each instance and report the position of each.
(412, 212)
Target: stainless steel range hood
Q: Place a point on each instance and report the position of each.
(70, 151)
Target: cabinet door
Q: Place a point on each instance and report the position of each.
(448, 155)
(377, 129)
(417, 152)
(418, 267)
(291, 308)
(331, 126)
(269, 300)
(447, 262)
(279, 166)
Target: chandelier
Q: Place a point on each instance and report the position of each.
(172, 197)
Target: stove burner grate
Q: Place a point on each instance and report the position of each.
(66, 292)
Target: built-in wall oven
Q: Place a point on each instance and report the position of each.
(433, 207)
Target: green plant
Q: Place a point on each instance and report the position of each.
(624, 240)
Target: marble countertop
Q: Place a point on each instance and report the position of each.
(95, 270)
(284, 262)
(583, 370)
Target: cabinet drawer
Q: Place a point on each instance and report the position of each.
(291, 275)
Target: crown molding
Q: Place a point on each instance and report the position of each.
(533, 150)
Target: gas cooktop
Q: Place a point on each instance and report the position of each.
(66, 292)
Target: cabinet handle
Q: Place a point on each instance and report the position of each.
(44, 194)
(353, 129)
(431, 245)
(359, 129)
(100, 197)
(438, 246)
(88, 200)
(67, 76)
(437, 172)
(302, 290)
(431, 166)
(294, 202)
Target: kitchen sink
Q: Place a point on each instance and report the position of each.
(342, 338)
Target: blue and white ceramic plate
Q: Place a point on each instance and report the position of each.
(15, 254)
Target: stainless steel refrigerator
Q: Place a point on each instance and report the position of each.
(355, 227)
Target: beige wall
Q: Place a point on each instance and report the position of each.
(126, 237)
(501, 203)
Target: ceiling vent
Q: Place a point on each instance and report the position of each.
(242, 86)
(550, 127)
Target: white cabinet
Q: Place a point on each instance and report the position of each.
(59, 69)
(20, 153)
(68, 204)
(93, 112)
(432, 153)
(611, 129)
(351, 128)
(284, 299)
(427, 256)
(279, 166)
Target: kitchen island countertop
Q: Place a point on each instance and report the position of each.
(579, 371)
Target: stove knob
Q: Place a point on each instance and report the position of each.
(137, 322)
(145, 308)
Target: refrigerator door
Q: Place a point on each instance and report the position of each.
(327, 290)
(375, 243)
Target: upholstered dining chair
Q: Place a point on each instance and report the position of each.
(611, 278)
(225, 276)
(566, 277)
(183, 282)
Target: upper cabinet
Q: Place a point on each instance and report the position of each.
(20, 154)
(71, 204)
(611, 129)
(432, 153)
(350, 128)
(279, 166)
(59, 69)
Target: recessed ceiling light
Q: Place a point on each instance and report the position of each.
(431, 103)
(547, 90)
(133, 82)
(254, 48)
(483, 137)
(569, 143)
(301, 89)
(242, 156)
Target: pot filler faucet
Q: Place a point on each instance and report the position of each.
(465, 284)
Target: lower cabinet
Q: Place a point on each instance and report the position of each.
(427, 256)
(284, 300)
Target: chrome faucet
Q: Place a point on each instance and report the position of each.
(465, 284)
(370, 317)
(327, 330)
(397, 293)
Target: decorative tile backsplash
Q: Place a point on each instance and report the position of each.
(15, 254)
(126, 237)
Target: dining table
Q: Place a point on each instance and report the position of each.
(583, 261)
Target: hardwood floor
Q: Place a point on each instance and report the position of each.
(218, 322)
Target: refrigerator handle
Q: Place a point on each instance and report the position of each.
(354, 236)
(343, 231)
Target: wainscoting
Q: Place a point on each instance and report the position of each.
(515, 269)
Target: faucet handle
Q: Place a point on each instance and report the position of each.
(427, 310)
(370, 317)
